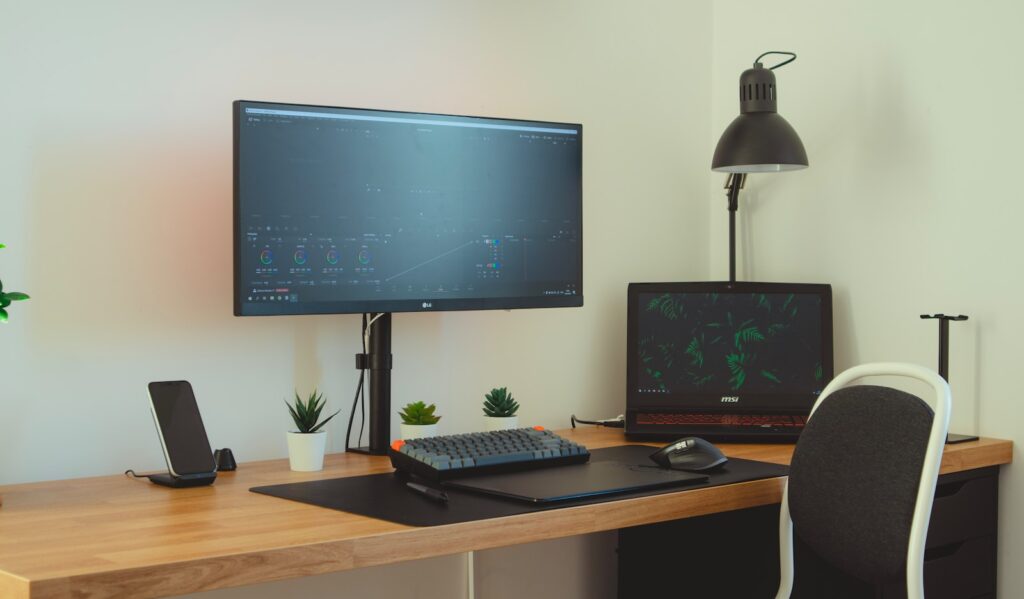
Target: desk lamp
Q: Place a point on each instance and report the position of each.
(757, 141)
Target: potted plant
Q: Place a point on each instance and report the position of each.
(307, 443)
(418, 420)
(500, 410)
(7, 297)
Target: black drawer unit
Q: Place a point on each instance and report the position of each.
(736, 554)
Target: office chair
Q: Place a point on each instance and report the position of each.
(863, 477)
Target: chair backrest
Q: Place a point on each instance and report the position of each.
(863, 477)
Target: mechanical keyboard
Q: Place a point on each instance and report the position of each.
(457, 456)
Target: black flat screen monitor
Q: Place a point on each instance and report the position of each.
(341, 210)
(732, 347)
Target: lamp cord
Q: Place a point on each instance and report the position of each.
(791, 58)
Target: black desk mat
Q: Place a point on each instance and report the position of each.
(385, 496)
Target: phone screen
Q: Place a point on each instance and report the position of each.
(186, 446)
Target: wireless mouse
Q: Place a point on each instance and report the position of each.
(692, 454)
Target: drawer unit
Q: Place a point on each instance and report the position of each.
(961, 570)
(964, 507)
(702, 556)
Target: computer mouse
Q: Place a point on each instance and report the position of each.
(689, 453)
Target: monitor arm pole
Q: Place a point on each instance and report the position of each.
(733, 185)
(378, 361)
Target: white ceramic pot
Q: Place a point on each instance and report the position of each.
(419, 431)
(306, 451)
(500, 423)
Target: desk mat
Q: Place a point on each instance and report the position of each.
(385, 496)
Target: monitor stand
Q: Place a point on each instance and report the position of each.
(378, 362)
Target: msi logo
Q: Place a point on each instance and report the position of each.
(428, 305)
(731, 399)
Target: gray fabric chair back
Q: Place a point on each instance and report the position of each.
(854, 479)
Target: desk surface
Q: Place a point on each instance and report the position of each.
(116, 537)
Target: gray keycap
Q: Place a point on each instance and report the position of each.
(503, 458)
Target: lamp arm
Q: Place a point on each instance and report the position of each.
(733, 185)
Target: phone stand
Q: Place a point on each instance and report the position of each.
(180, 482)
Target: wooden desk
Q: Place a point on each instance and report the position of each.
(116, 537)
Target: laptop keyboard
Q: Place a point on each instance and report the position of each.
(730, 420)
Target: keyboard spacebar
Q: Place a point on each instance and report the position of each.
(503, 458)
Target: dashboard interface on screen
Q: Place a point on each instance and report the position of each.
(349, 210)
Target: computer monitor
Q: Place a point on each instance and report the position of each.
(341, 210)
(344, 210)
(734, 347)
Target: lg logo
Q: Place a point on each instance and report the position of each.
(731, 399)
(428, 305)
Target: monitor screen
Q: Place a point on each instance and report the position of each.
(731, 346)
(341, 210)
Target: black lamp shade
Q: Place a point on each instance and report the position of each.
(759, 140)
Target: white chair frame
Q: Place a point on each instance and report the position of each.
(926, 488)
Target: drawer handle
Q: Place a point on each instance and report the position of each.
(949, 488)
(942, 551)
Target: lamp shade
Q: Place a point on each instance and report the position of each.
(759, 140)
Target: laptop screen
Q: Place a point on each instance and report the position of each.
(731, 347)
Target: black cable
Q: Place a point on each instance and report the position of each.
(362, 403)
(131, 474)
(352, 414)
(359, 388)
(791, 58)
(617, 422)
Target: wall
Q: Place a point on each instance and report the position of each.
(115, 195)
(909, 205)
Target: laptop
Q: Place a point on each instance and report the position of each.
(579, 481)
(728, 362)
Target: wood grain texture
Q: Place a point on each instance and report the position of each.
(112, 537)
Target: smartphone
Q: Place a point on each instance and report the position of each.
(180, 428)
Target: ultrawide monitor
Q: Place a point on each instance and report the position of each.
(341, 210)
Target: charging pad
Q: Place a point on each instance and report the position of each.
(179, 482)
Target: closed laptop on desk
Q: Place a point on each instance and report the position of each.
(726, 361)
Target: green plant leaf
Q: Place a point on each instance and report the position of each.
(737, 366)
(694, 351)
(499, 403)
(328, 419)
(3, 315)
(4, 302)
(16, 296)
(419, 413)
(306, 413)
(295, 417)
(747, 335)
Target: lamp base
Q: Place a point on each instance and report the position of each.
(952, 438)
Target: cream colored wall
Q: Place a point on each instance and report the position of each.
(115, 188)
(911, 203)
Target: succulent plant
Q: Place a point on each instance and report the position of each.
(419, 413)
(306, 414)
(500, 404)
(8, 297)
